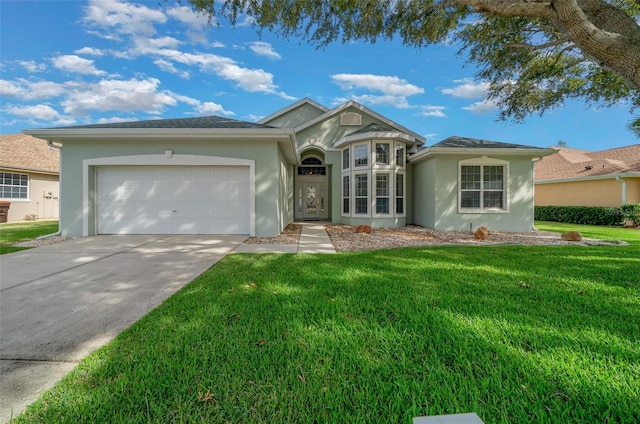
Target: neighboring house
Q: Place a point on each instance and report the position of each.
(29, 172)
(349, 165)
(581, 178)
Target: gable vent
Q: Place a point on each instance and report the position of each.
(351, 118)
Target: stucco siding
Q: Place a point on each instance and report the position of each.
(423, 193)
(436, 180)
(43, 198)
(295, 117)
(633, 190)
(264, 153)
(602, 192)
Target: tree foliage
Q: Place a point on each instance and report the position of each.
(536, 54)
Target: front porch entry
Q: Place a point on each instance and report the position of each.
(312, 197)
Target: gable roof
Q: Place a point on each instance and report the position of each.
(21, 152)
(457, 145)
(305, 101)
(178, 123)
(574, 164)
(351, 103)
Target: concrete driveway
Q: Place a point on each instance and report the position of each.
(60, 302)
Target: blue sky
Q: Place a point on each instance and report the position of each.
(83, 62)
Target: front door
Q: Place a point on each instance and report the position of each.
(314, 201)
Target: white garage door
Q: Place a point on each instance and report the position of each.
(173, 200)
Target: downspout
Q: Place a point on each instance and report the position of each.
(59, 232)
(533, 188)
(624, 190)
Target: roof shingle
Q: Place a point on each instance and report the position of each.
(27, 153)
(177, 123)
(573, 163)
(465, 142)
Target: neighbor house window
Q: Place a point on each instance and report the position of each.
(361, 194)
(482, 185)
(400, 194)
(14, 186)
(345, 158)
(346, 199)
(361, 155)
(400, 155)
(382, 153)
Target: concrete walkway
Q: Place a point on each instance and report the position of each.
(314, 239)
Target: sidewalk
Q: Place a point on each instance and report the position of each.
(314, 239)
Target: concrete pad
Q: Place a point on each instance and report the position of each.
(470, 418)
(74, 303)
(266, 248)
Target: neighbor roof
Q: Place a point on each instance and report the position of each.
(577, 164)
(178, 123)
(22, 152)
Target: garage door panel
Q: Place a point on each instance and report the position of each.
(173, 200)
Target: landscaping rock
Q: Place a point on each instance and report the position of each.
(481, 233)
(363, 229)
(572, 236)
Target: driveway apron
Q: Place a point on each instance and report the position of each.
(58, 303)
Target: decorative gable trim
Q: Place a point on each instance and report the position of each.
(351, 119)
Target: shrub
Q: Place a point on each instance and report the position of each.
(631, 212)
(589, 215)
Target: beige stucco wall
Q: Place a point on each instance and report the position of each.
(633, 190)
(604, 192)
(42, 201)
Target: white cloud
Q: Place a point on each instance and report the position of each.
(38, 112)
(186, 15)
(211, 108)
(467, 89)
(482, 107)
(30, 90)
(216, 44)
(435, 111)
(118, 95)
(394, 90)
(90, 51)
(264, 49)
(77, 64)
(113, 119)
(145, 43)
(167, 66)
(122, 17)
(32, 66)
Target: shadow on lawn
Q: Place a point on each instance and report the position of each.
(378, 337)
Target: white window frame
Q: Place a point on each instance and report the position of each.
(355, 146)
(390, 153)
(19, 186)
(354, 196)
(404, 194)
(404, 155)
(389, 196)
(344, 195)
(346, 150)
(482, 162)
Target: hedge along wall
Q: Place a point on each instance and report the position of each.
(590, 215)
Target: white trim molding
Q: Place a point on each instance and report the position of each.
(162, 160)
(482, 162)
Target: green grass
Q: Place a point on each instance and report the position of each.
(630, 235)
(22, 231)
(517, 334)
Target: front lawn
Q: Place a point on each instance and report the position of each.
(517, 334)
(631, 235)
(22, 231)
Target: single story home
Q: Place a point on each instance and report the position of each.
(349, 165)
(29, 173)
(575, 177)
